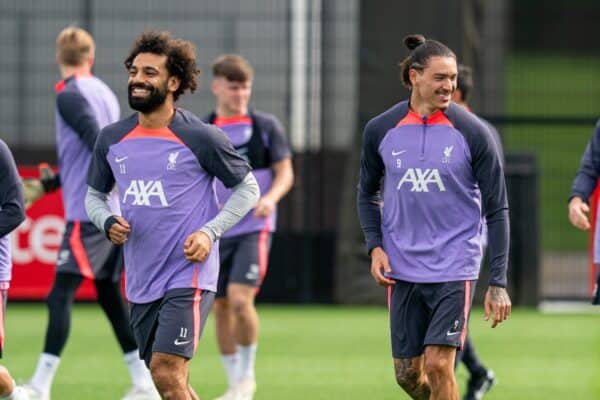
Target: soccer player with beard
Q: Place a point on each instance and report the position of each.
(12, 213)
(84, 104)
(163, 161)
(244, 249)
(428, 167)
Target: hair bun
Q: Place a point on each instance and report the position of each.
(414, 40)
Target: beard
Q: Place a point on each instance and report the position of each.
(146, 105)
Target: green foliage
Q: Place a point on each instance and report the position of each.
(324, 353)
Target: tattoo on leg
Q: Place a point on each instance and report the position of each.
(412, 378)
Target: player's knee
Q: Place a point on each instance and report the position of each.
(437, 367)
(6, 382)
(240, 305)
(407, 376)
(166, 376)
(221, 305)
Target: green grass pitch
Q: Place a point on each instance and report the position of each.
(324, 352)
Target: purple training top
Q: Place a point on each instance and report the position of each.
(84, 105)
(239, 130)
(436, 174)
(165, 182)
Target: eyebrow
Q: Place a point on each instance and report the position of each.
(146, 68)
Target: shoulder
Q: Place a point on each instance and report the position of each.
(465, 121)
(265, 119)
(194, 131)
(4, 150)
(379, 125)
(67, 91)
(114, 132)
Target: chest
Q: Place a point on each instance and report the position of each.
(417, 156)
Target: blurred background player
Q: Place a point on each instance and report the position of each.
(583, 186)
(84, 104)
(481, 379)
(164, 161)
(433, 164)
(12, 213)
(244, 249)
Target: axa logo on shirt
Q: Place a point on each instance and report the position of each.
(145, 193)
(421, 178)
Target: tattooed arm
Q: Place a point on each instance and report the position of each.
(498, 302)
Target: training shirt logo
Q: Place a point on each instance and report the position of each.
(171, 165)
(145, 192)
(420, 179)
(447, 154)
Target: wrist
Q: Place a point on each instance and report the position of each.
(110, 221)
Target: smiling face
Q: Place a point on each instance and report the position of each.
(434, 85)
(149, 83)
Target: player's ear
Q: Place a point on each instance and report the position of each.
(173, 83)
(412, 75)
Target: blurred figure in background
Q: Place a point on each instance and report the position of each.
(582, 189)
(481, 379)
(84, 104)
(244, 250)
(12, 213)
(433, 165)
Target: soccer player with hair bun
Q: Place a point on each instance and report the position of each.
(430, 170)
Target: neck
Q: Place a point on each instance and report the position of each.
(227, 112)
(67, 71)
(159, 118)
(421, 107)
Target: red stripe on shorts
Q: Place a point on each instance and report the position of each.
(263, 253)
(463, 334)
(1, 319)
(197, 316)
(83, 263)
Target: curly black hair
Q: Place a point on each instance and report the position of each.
(181, 57)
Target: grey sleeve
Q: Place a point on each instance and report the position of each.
(243, 199)
(97, 208)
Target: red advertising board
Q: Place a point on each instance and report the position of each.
(35, 247)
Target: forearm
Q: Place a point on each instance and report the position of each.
(242, 200)
(281, 185)
(97, 208)
(498, 245)
(369, 214)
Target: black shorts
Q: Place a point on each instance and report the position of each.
(423, 314)
(3, 292)
(172, 324)
(244, 260)
(86, 251)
